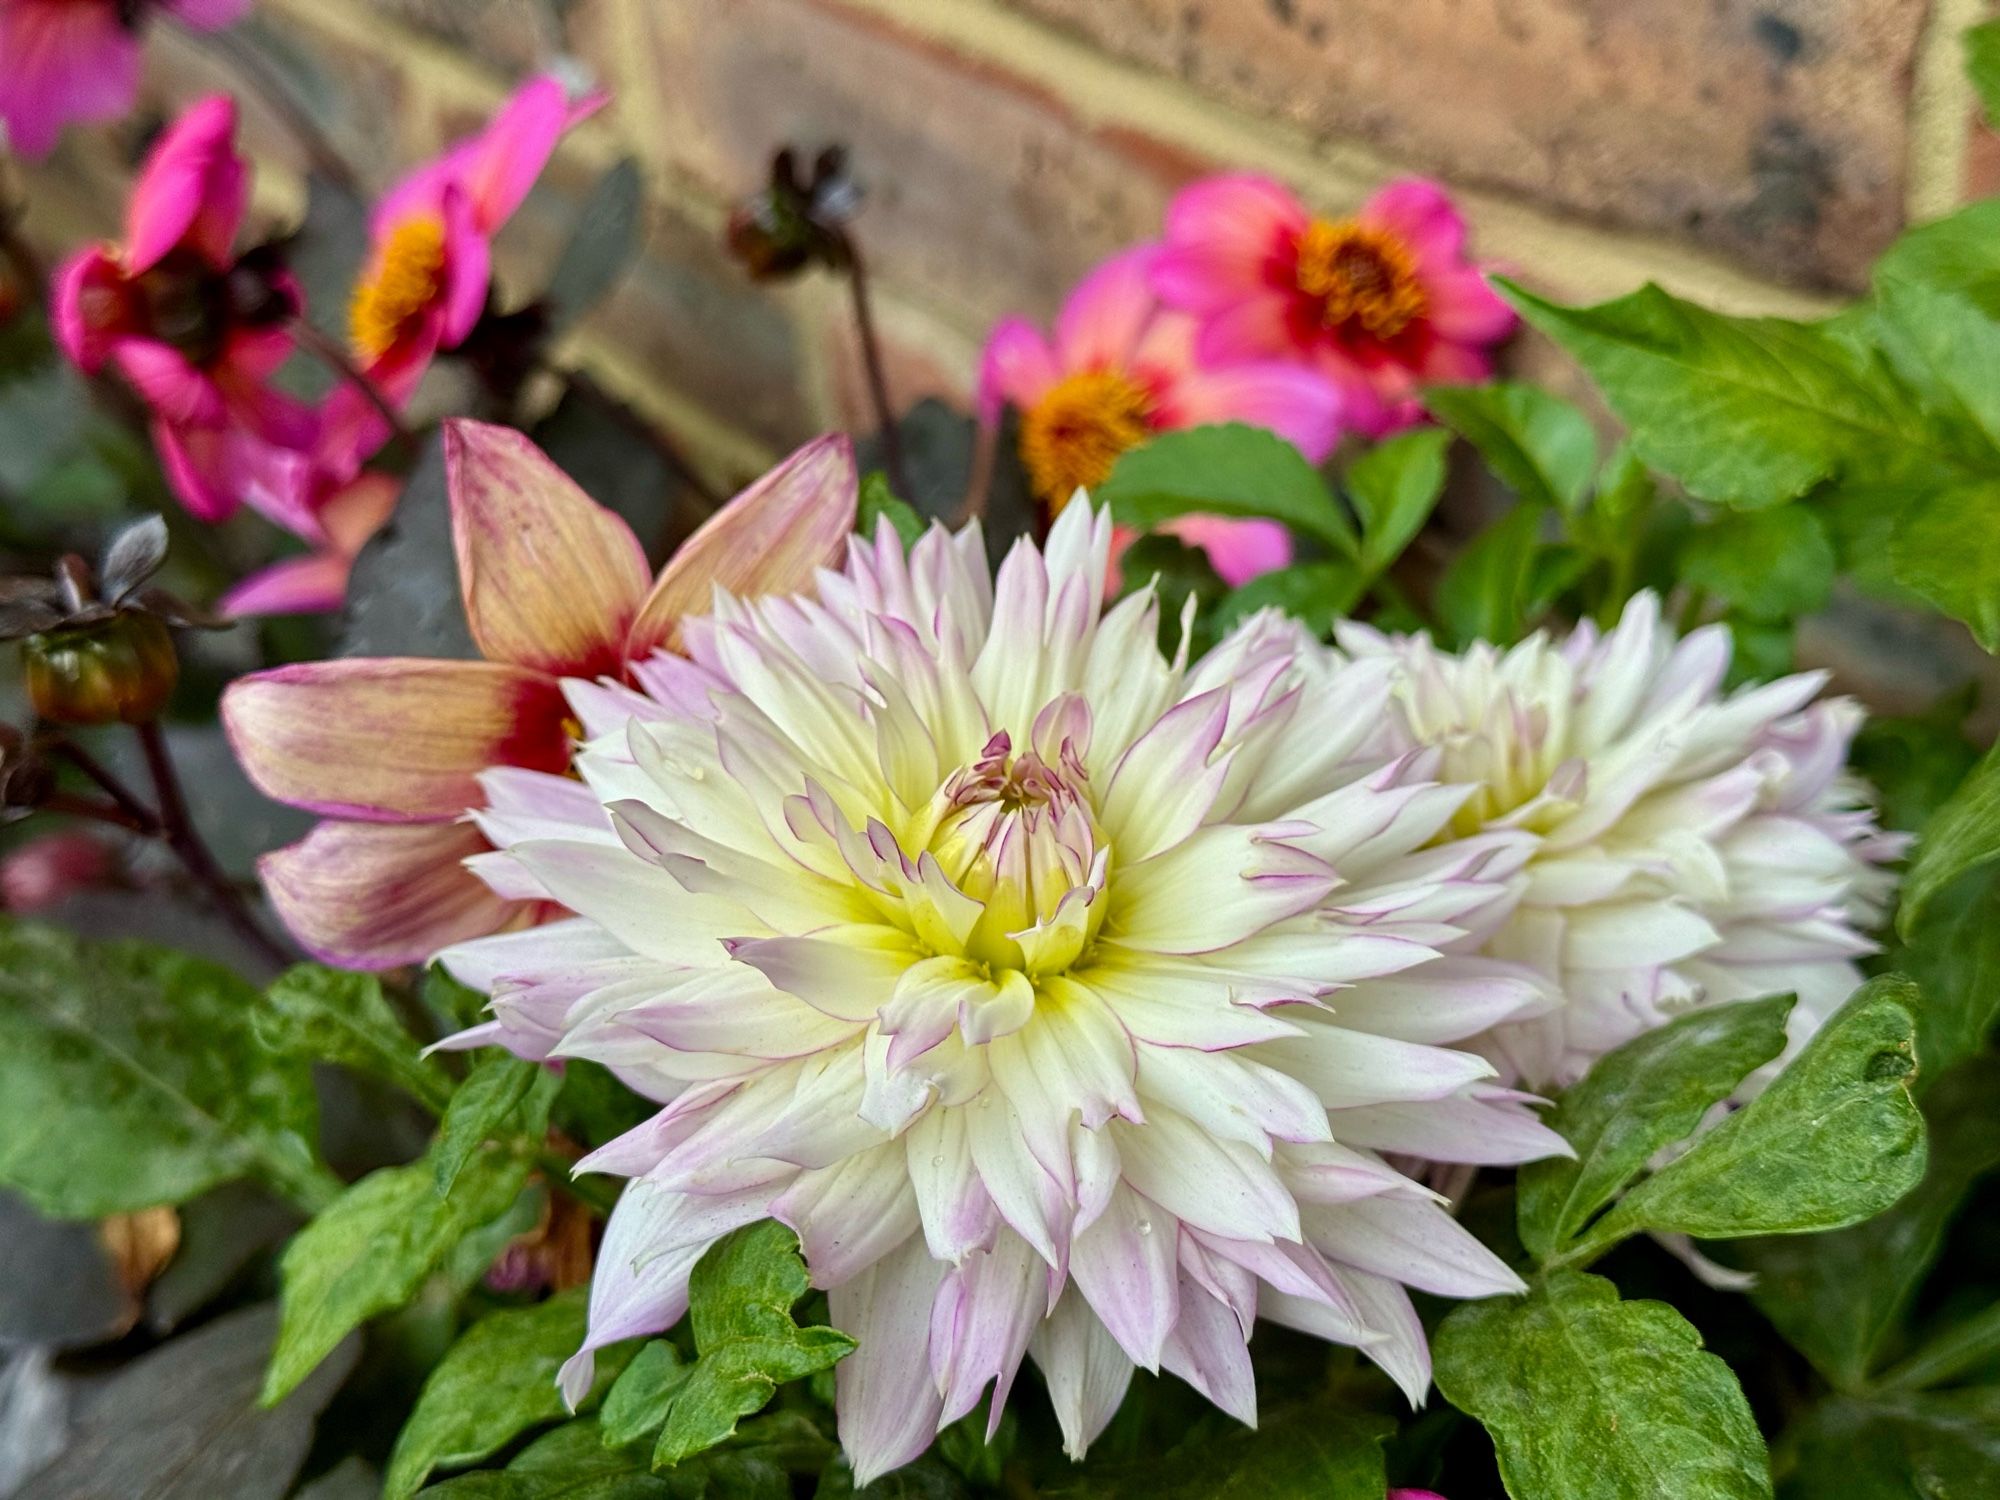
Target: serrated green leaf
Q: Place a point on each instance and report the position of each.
(1963, 835)
(131, 1079)
(1834, 1139)
(635, 1407)
(1484, 594)
(1227, 470)
(1636, 1100)
(373, 1248)
(1394, 487)
(740, 1304)
(574, 1463)
(1768, 564)
(880, 503)
(1314, 1450)
(1316, 593)
(1541, 447)
(332, 1016)
(501, 1097)
(494, 1384)
(1939, 1446)
(1587, 1396)
(1838, 1297)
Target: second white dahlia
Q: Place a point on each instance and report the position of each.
(1064, 998)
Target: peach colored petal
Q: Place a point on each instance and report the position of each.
(370, 896)
(391, 740)
(768, 540)
(552, 579)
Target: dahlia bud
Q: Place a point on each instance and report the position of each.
(794, 222)
(120, 670)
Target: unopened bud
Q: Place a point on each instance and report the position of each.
(120, 670)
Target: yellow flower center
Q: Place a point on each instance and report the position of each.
(407, 277)
(1072, 436)
(1360, 276)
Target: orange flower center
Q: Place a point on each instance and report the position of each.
(1072, 436)
(407, 277)
(1360, 276)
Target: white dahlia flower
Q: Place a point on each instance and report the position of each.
(1693, 847)
(1064, 999)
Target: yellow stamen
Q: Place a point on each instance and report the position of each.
(1360, 275)
(1072, 436)
(407, 276)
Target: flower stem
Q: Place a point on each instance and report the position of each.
(979, 478)
(330, 354)
(179, 831)
(139, 817)
(1948, 1356)
(871, 359)
(323, 156)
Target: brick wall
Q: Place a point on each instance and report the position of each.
(1753, 153)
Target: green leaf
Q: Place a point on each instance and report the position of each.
(131, 1079)
(501, 1096)
(1394, 487)
(1834, 1139)
(1541, 447)
(494, 1384)
(880, 503)
(1484, 594)
(1955, 960)
(1227, 470)
(636, 1407)
(1320, 1449)
(1751, 412)
(374, 1247)
(1940, 1446)
(1317, 593)
(1838, 1297)
(606, 240)
(1770, 564)
(740, 1305)
(336, 1017)
(1963, 835)
(1946, 547)
(1646, 1095)
(1982, 66)
(1587, 1396)
(574, 1463)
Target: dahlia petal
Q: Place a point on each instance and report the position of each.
(551, 579)
(1485, 1129)
(1015, 368)
(1346, 1068)
(1085, 1371)
(64, 63)
(391, 740)
(1238, 550)
(953, 1205)
(1221, 236)
(625, 895)
(767, 540)
(193, 189)
(1443, 1002)
(310, 585)
(1463, 306)
(1224, 1187)
(1635, 934)
(559, 949)
(1029, 1199)
(1167, 782)
(849, 1215)
(512, 151)
(1124, 1265)
(1299, 404)
(1230, 1098)
(1214, 889)
(1101, 322)
(373, 896)
(1420, 214)
(207, 15)
(1417, 1244)
(1207, 1350)
(849, 974)
(985, 1312)
(887, 1405)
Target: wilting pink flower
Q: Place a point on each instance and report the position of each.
(66, 60)
(197, 331)
(430, 253)
(336, 526)
(393, 750)
(1692, 848)
(1064, 998)
(45, 870)
(1120, 369)
(1381, 302)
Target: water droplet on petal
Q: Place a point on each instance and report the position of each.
(937, 1161)
(1145, 1226)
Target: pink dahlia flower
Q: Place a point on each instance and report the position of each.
(1120, 369)
(1382, 303)
(195, 330)
(1692, 847)
(430, 258)
(336, 527)
(394, 750)
(1065, 999)
(65, 60)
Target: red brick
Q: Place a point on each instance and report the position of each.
(984, 192)
(1773, 130)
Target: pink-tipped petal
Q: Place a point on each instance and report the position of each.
(1463, 306)
(468, 260)
(166, 382)
(206, 15)
(64, 62)
(768, 540)
(1421, 214)
(1016, 366)
(196, 463)
(1297, 403)
(517, 146)
(373, 896)
(552, 580)
(193, 188)
(312, 585)
(1223, 235)
(1104, 318)
(391, 740)
(87, 307)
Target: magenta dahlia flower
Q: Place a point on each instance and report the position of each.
(74, 60)
(1065, 999)
(1120, 369)
(1692, 847)
(1382, 302)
